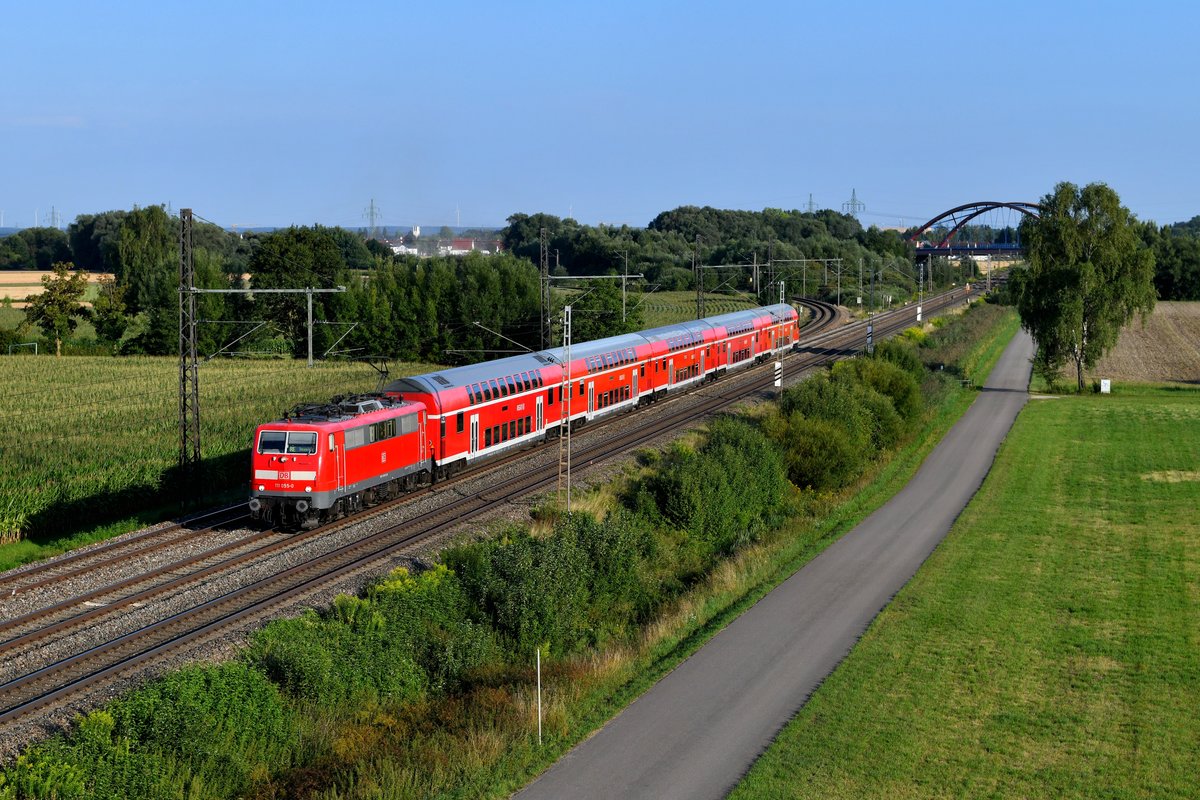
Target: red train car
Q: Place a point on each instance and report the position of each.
(480, 410)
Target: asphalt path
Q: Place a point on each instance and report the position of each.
(696, 732)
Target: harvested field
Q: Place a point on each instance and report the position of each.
(1166, 349)
(19, 285)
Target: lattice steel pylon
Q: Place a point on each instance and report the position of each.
(544, 263)
(189, 373)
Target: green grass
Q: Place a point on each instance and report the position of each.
(978, 364)
(1049, 647)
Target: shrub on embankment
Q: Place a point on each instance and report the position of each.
(420, 684)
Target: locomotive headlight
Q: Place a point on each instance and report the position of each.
(308, 488)
(262, 488)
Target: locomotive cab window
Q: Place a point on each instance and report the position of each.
(301, 443)
(272, 442)
(458, 422)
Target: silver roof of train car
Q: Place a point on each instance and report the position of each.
(435, 382)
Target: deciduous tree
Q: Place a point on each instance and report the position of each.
(1089, 274)
(57, 308)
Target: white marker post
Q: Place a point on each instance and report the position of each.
(539, 694)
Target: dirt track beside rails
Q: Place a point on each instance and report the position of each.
(1166, 349)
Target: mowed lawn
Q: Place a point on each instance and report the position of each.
(1050, 647)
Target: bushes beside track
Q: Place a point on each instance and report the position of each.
(400, 683)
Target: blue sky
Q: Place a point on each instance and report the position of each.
(277, 113)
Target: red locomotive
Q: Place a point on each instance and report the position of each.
(324, 461)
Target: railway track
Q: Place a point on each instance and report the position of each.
(92, 666)
(145, 543)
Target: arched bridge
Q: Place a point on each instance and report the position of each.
(955, 219)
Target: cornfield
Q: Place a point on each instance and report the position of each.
(86, 439)
(665, 308)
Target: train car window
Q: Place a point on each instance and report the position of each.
(550, 396)
(487, 437)
(487, 392)
(528, 428)
(503, 432)
(520, 427)
(525, 380)
(512, 385)
(470, 396)
(496, 434)
(331, 442)
(272, 442)
(495, 389)
(458, 422)
(302, 443)
(512, 429)
(581, 388)
(642, 370)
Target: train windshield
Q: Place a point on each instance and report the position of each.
(294, 442)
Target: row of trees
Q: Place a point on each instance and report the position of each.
(476, 307)
(665, 249)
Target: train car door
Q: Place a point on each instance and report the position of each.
(591, 398)
(339, 461)
(635, 385)
(701, 362)
(474, 443)
(670, 372)
(540, 420)
(728, 354)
